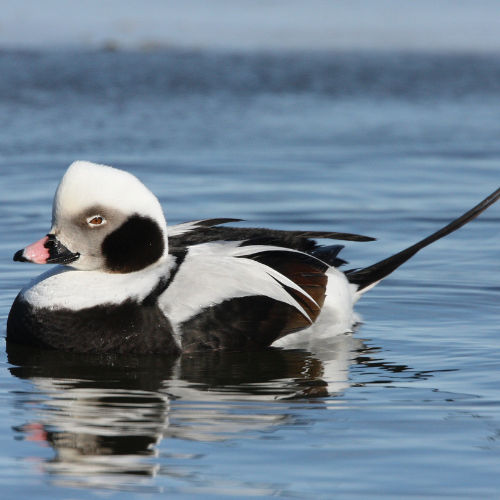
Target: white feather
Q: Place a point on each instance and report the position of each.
(233, 249)
(336, 316)
(86, 184)
(213, 272)
(63, 287)
(185, 227)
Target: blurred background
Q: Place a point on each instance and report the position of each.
(447, 25)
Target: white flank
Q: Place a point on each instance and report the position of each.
(233, 249)
(213, 273)
(336, 317)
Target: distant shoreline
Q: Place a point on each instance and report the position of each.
(246, 25)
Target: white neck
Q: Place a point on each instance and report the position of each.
(63, 287)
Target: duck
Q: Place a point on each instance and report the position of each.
(124, 283)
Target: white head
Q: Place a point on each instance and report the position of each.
(102, 219)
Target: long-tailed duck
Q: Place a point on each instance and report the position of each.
(125, 287)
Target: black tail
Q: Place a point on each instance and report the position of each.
(371, 274)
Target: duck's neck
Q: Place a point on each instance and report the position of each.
(69, 288)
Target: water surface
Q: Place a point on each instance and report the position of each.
(393, 145)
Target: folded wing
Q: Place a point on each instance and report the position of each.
(227, 296)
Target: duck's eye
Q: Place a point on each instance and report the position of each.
(96, 220)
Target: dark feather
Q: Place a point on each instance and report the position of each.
(129, 327)
(376, 272)
(214, 222)
(257, 321)
(329, 254)
(298, 240)
(305, 271)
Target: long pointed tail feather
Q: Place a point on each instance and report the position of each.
(372, 274)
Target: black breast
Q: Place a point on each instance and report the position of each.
(129, 327)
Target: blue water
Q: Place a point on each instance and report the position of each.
(392, 145)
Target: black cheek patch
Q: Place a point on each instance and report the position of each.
(135, 245)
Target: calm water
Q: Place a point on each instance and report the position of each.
(391, 145)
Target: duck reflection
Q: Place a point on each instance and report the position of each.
(106, 415)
